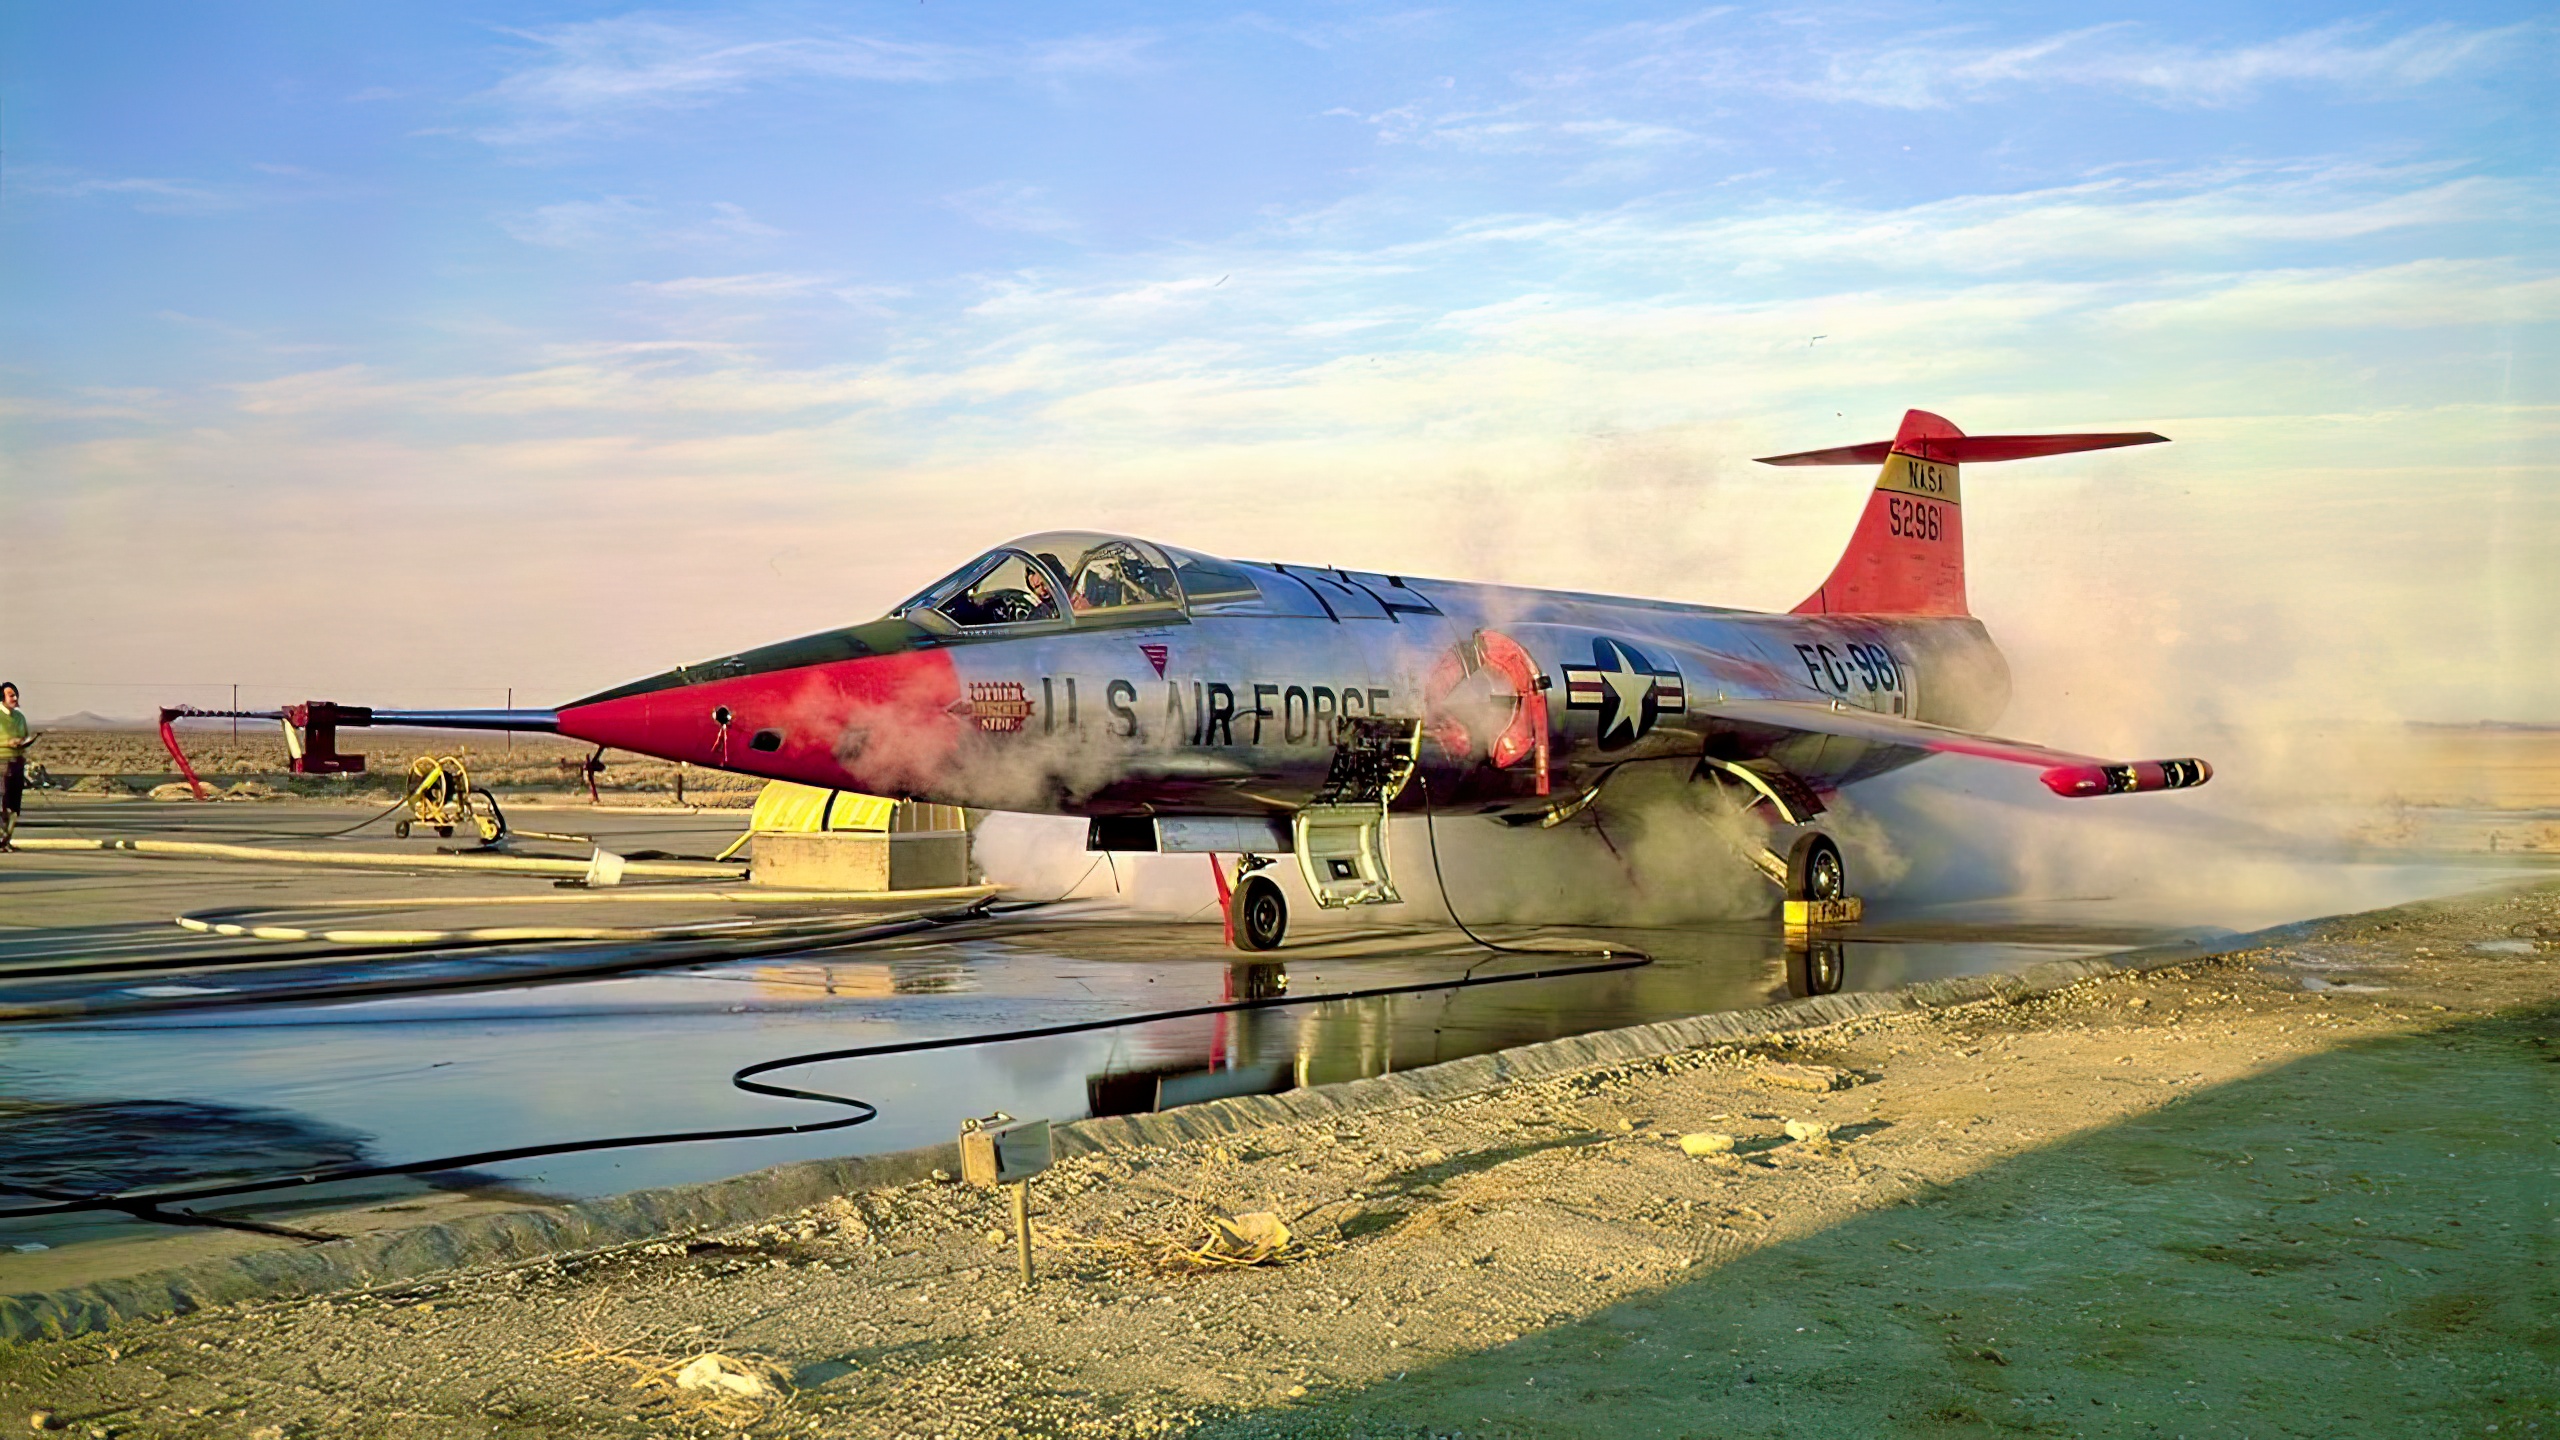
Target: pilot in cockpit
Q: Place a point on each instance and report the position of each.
(1020, 586)
(1040, 592)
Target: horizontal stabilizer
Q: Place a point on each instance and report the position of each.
(2064, 773)
(1966, 449)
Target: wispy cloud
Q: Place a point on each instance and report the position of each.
(756, 286)
(713, 290)
(88, 403)
(605, 71)
(621, 222)
(1933, 71)
(2101, 221)
(149, 194)
(2421, 294)
(1024, 208)
(1333, 33)
(1429, 333)
(1520, 127)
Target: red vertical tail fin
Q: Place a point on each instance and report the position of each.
(1907, 555)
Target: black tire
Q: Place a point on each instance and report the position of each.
(400, 831)
(444, 832)
(1815, 870)
(1262, 916)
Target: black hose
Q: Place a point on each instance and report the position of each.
(395, 807)
(142, 1204)
(1431, 830)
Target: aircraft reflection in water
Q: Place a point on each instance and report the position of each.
(1265, 1052)
(1183, 702)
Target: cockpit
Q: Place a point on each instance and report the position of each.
(1073, 580)
(1069, 577)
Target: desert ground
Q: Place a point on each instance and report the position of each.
(2303, 1189)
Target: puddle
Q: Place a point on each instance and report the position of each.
(442, 1073)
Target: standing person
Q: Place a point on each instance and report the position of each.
(13, 762)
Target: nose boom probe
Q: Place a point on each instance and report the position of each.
(311, 731)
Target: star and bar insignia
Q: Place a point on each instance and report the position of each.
(1628, 690)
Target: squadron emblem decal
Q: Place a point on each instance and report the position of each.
(1630, 693)
(1156, 656)
(999, 706)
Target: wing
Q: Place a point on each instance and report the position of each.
(2064, 773)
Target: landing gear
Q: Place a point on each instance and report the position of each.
(1339, 837)
(1261, 914)
(1814, 869)
(1817, 884)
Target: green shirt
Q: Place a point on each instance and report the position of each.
(13, 735)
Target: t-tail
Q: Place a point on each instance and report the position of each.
(1907, 554)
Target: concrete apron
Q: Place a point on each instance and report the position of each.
(498, 1242)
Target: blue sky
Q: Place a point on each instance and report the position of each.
(563, 342)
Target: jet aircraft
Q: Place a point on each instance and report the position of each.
(1184, 702)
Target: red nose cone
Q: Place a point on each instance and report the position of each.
(883, 724)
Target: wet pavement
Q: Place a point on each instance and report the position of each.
(236, 1090)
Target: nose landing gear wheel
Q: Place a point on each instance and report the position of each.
(1814, 869)
(1262, 916)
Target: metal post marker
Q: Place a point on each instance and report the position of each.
(1022, 1229)
(1000, 1150)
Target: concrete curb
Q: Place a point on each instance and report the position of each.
(497, 1241)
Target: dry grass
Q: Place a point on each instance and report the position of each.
(1197, 1235)
(1213, 1242)
(755, 1388)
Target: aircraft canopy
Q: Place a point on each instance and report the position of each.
(1081, 578)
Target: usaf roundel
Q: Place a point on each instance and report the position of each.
(1628, 690)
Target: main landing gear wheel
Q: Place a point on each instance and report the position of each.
(1262, 916)
(1815, 870)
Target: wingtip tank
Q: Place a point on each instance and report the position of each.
(2074, 782)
